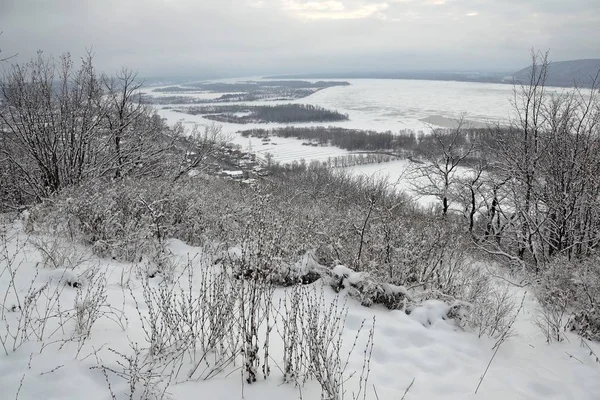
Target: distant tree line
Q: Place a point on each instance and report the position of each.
(405, 143)
(250, 86)
(284, 113)
(348, 139)
(259, 95)
(345, 161)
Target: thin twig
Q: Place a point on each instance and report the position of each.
(52, 370)
(572, 356)
(408, 388)
(499, 343)
(583, 342)
(375, 390)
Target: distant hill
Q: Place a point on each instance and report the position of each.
(561, 73)
(461, 76)
(566, 73)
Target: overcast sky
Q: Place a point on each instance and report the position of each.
(244, 37)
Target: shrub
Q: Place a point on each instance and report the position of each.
(569, 296)
(288, 229)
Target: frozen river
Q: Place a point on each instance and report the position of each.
(377, 104)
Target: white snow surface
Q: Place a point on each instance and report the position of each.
(445, 362)
(372, 104)
(401, 176)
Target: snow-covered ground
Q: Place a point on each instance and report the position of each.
(374, 104)
(395, 172)
(443, 361)
(396, 104)
(402, 176)
(284, 150)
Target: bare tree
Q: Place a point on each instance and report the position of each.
(520, 148)
(5, 58)
(124, 110)
(62, 125)
(468, 192)
(135, 130)
(571, 191)
(547, 169)
(201, 145)
(51, 115)
(447, 151)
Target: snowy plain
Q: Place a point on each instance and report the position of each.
(371, 104)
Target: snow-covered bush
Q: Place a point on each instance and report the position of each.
(219, 311)
(476, 304)
(311, 327)
(569, 295)
(129, 219)
(586, 323)
(368, 291)
(323, 329)
(27, 298)
(36, 303)
(288, 229)
(91, 304)
(145, 377)
(58, 253)
(489, 312)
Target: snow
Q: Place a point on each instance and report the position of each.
(445, 362)
(431, 312)
(400, 177)
(372, 104)
(395, 104)
(233, 174)
(284, 150)
(395, 172)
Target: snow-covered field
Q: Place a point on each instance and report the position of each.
(375, 104)
(284, 150)
(372, 104)
(402, 176)
(396, 104)
(443, 361)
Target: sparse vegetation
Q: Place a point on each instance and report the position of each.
(285, 113)
(405, 144)
(240, 91)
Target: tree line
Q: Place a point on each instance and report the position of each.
(269, 94)
(406, 143)
(250, 86)
(283, 113)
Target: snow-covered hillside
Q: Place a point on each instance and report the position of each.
(78, 326)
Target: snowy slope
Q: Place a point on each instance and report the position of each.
(445, 362)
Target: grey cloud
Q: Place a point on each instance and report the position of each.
(225, 37)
